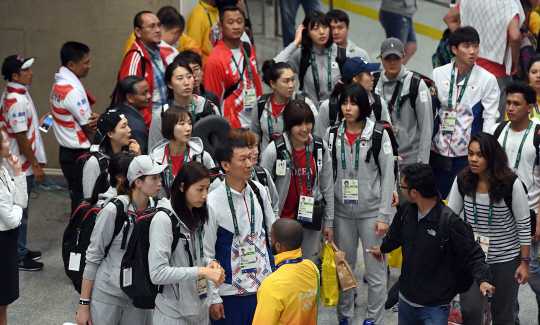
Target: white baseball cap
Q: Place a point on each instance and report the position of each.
(143, 165)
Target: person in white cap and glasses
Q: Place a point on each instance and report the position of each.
(411, 118)
(21, 123)
(114, 128)
(102, 300)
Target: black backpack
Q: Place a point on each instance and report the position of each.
(208, 109)
(507, 196)
(77, 235)
(115, 94)
(305, 62)
(464, 278)
(215, 172)
(413, 91)
(281, 147)
(536, 139)
(444, 54)
(142, 291)
(333, 108)
(103, 161)
(376, 144)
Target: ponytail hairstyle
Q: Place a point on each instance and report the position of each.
(169, 74)
(272, 71)
(190, 173)
(124, 188)
(340, 87)
(118, 166)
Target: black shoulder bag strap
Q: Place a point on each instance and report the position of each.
(500, 128)
(332, 137)
(260, 104)
(377, 107)
(234, 87)
(333, 109)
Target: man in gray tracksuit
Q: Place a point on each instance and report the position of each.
(323, 188)
(413, 126)
(366, 220)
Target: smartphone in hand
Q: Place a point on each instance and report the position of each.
(47, 123)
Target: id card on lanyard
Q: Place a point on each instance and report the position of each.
(201, 281)
(316, 73)
(249, 94)
(169, 161)
(248, 257)
(390, 106)
(449, 118)
(306, 203)
(483, 240)
(350, 186)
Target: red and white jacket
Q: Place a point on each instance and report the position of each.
(220, 73)
(132, 66)
(19, 115)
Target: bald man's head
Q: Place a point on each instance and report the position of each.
(288, 233)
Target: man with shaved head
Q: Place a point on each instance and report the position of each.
(289, 295)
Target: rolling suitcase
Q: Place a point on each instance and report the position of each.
(486, 309)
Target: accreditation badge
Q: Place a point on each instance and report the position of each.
(483, 241)
(248, 259)
(350, 190)
(281, 167)
(201, 285)
(305, 208)
(250, 98)
(449, 122)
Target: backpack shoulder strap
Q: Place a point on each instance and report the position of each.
(510, 190)
(280, 146)
(260, 104)
(305, 62)
(459, 181)
(333, 103)
(444, 227)
(376, 75)
(377, 107)
(261, 175)
(341, 58)
(175, 224)
(121, 219)
(102, 160)
(332, 137)
(301, 96)
(376, 142)
(186, 246)
(247, 48)
(499, 129)
(536, 142)
(413, 90)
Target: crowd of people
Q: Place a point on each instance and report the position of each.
(234, 229)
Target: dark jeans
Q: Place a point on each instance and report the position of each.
(444, 180)
(409, 315)
(239, 310)
(288, 9)
(21, 242)
(68, 163)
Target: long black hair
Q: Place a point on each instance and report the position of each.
(118, 166)
(190, 173)
(312, 18)
(498, 171)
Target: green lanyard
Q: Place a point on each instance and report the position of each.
(207, 13)
(199, 230)
(135, 206)
(169, 160)
(241, 75)
(233, 212)
(518, 158)
(269, 117)
(316, 72)
(390, 106)
(475, 213)
(357, 141)
(452, 88)
(308, 170)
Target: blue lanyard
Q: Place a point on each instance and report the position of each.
(291, 261)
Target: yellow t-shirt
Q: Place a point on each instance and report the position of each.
(198, 25)
(184, 43)
(289, 295)
(534, 23)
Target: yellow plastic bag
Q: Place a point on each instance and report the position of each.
(330, 283)
(395, 258)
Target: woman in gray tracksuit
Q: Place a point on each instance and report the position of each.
(280, 77)
(178, 146)
(180, 272)
(299, 122)
(109, 179)
(367, 189)
(102, 300)
(317, 42)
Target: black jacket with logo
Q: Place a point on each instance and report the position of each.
(427, 276)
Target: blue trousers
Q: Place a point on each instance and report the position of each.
(288, 9)
(398, 26)
(239, 310)
(23, 228)
(409, 315)
(445, 180)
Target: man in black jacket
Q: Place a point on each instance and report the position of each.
(427, 283)
(134, 97)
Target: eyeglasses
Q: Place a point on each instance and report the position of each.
(153, 26)
(404, 187)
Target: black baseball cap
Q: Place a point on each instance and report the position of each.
(14, 63)
(108, 121)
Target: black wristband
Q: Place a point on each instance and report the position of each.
(84, 302)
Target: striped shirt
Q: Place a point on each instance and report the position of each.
(509, 229)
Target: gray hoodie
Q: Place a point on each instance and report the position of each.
(91, 173)
(195, 151)
(105, 270)
(155, 135)
(375, 190)
(291, 54)
(260, 126)
(180, 297)
(104, 197)
(322, 120)
(416, 127)
(324, 185)
(357, 51)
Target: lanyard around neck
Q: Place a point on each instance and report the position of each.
(462, 91)
(296, 166)
(135, 206)
(199, 230)
(291, 261)
(357, 142)
(518, 158)
(316, 72)
(389, 105)
(233, 212)
(475, 212)
(268, 115)
(207, 13)
(169, 160)
(246, 59)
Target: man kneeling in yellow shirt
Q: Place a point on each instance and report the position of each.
(290, 295)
